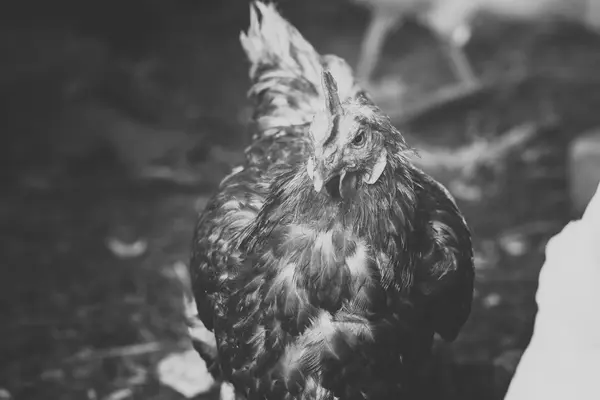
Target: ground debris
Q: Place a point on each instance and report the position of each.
(186, 373)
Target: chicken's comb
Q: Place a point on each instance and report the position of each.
(330, 90)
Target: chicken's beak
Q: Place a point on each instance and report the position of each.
(320, 173)
(322, 177)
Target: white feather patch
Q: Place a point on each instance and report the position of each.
(324, 244)
(285, 276)
(324, 325)
(358, 262)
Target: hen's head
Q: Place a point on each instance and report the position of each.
(353, 142)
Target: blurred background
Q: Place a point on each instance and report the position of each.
(119, 118)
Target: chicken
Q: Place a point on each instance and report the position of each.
(326, 262)
(450, 21)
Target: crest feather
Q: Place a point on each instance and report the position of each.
(332, 97)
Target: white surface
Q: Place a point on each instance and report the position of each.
(563, 358)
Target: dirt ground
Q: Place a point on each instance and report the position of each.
(89, 114)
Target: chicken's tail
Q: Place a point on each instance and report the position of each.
(286, 71)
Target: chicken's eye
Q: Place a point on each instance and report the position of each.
(359, 140)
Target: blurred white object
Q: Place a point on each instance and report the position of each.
(186, 373)
(227, 391)
(563, 357)
(120, 394)
(442, 16)
(492, 300)
(122, 249)
(465, 191)
(514, 244)
(450, 21)
(592, 15)
(584, 169)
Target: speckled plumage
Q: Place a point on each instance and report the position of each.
(312, 296)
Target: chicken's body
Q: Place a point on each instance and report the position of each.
(313, 294)
(450, 21)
